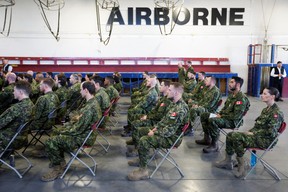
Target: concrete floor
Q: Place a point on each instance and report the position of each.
(112, 167)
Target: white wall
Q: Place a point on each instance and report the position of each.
(78, 33)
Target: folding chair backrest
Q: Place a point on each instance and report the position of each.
(63, 104)
(282, 128)
(186, 126)
(19, 131)
(52, 114)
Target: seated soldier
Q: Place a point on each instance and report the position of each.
(143, 107)
(118, 83)
(44, 105)
(61, 92)
(208, 103)
(73, 95)
(199, 89)
(151, 119)
(101, 96)
(260, 136)
(73, 134)
(111, 91)
(15, 116)
(142, 86)
(235, 107)
(163, 134)
(6, 96)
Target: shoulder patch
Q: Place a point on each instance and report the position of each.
(239, 102)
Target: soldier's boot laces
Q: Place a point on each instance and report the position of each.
(138, 174)
(134, 162)
(227, 163)
(241, 172)
(54, 174)
(211, 148)
(205, 141)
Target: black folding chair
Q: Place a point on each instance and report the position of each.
(37, 134)
(166, 154)
(10, 150)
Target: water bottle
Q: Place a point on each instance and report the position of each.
(12, 160)
(253, 159)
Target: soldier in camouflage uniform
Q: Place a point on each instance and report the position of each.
(260, 136)
(61, 92)
(188, 81)
(118, 83)
(36, 93)
(235, 107)
(72, 134)
(6, 96)
(15, 116)
(101, 96)
(207, 103)
(199, 89)
(143, 107)
(111, 91)
(143, 85)
(163, 134)
(142, 126)
(44, 105)
(74, 96)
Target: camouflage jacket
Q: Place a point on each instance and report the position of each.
(182, 74)
(103, 99)
(267, 124)
(7, 97)
(15, 116)
(189, 85)
(198, 91)
(235, 107)
(170, 126)
(211, 99)
(118, 86)
(61, 92)
(74, 96)
(88, 115)
(44, 105)
(161, 108)
(112, 92)
(149, 100)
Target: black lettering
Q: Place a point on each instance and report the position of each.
(145, 17)
(161, 16)
(130, 16)
(115, 16)
(221, 17)
(176, 14)
(200, 14)
(234, 16)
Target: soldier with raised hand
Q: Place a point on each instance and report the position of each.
(235, 107)
(207, 103)
(143, 106)
(261, 135)
(73, 134)
(44, 105)
(141, 126)
(163, 134)
(16, 115)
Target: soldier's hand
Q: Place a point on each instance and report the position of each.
(248, 133)
(144, 117)
(154, 129)
(151, 133)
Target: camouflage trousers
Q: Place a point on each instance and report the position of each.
(237, 142)
(195, 112)
(134, 114)
(147, 142)
(211, 126)
(18, 143)
(56, 146)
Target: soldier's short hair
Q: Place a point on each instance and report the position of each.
(76, 77)
(110, 79)
(62, 80)
(166, 82)
(28, 77)
(238, 80)
(23, 86)
(49, 82)
(97, 79)
(178, 86)
(89, 86)
(202, 72)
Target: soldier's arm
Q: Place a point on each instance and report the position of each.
(38, 108)
(8, 116)
(147, 101)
